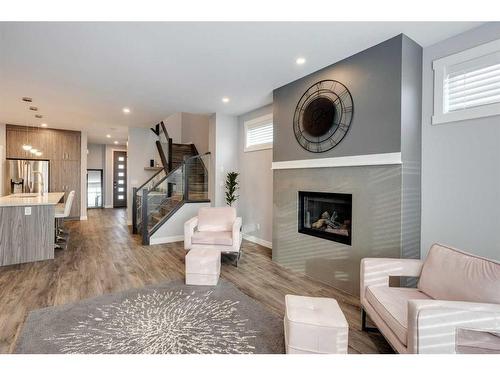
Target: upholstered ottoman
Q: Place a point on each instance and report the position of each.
(202, 267)
(314, 325)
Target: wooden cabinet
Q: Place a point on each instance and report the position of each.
(63, 150)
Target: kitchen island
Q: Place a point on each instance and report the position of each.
(27, 227)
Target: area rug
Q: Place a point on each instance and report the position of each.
(168, 318)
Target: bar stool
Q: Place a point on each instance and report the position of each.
(62, 212)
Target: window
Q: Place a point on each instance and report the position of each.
(259, 133)
(467, 84)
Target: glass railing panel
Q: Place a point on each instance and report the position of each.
(196, 174)
(164, 197)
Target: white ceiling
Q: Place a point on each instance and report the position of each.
(81, 75)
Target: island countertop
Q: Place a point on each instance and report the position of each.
(31, 199)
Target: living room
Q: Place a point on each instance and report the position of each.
(310, 188)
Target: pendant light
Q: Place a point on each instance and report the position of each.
(27, 146)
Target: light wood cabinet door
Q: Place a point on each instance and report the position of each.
(15, 139)
(55, 176)
(69, 148)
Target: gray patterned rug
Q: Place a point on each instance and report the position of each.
(168, 318)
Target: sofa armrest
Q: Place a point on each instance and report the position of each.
(237, 228)
(376, 271)
(433, 324)
(189, 227)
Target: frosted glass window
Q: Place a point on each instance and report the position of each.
(121, 182)
(121, 174)
(121, 166)
(121, 190)
(121, 197)
(121, 158)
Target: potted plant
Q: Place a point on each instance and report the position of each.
(231, 187)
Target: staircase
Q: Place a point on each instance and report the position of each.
(183, 179)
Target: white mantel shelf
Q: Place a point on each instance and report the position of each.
(342, 161)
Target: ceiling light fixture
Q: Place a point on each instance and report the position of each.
(38, 153)
(33, 108)
(27, 99)
(44, 125)
(108, 135)
(115, 142)
(34, 151)
(38, 116)
(126, 110)
(225, 99)
(300, 61)
(26, 147)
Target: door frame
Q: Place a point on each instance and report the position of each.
(113, 151)
(102, 187)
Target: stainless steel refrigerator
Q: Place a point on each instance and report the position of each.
(26, 176)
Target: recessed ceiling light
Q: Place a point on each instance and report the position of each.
(38, 116)
(33, 108)
(27, 99)
(44, 125)
(300, 61)
(225, 99)
(108, 135)
(115, 142)
(126, 110)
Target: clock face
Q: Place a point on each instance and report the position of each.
(323, 116)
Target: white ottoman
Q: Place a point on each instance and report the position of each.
(202, 267)
(314, 325)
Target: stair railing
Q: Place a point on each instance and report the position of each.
(154, 204)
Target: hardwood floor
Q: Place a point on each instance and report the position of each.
(103, 257)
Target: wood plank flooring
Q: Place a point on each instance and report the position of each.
(103, 257)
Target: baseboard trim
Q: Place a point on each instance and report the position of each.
(258, 241)
(168, 239)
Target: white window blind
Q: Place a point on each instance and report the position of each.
(472, 86)
(467, 84)
(259, 133)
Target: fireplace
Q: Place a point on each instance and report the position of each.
(326, 215)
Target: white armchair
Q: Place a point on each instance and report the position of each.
(214, 228)
(456, 291)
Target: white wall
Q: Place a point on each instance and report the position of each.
(173, 124)
(83, 175)
(226, 154)
(256, 184)
(460, 166)
(2, 157)
(195, 130)
(141, 149)
(96, 156)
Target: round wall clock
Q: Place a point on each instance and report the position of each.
(323, 116)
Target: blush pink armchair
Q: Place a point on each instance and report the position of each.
(214, 228)
(457, 292)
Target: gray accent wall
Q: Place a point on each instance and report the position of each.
(385, 83)
(461, 165)
(376, 222)
(373, 77)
